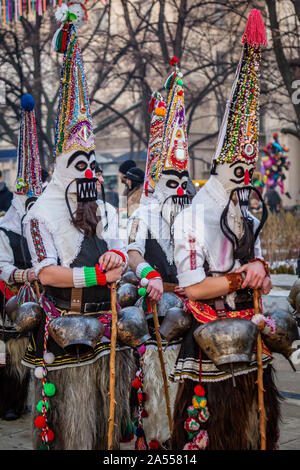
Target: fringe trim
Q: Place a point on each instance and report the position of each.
(79, 364)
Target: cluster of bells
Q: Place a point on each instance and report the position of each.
(227, 342)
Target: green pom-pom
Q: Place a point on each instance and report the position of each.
(142, 291)
(179, 82)
(39, 406)
(191, 435)
(43, 447)
(49, 389)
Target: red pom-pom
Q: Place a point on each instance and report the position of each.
(154, 444)
(40, 422)
(199, 391)
(49, 434)
(255, 33)
(161, 104)
(174, 60)
(136, 384)
(142, 396)
(180, 93)
(145, 414)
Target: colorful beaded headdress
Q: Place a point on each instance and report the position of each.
(74, 130)
(157, 108)
(29, 179)
(238, 136)
(174, 152)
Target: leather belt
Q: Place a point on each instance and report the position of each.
(89, 307)
(169, 286)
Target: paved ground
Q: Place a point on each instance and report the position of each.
(16, 435)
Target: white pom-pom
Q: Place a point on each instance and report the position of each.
(61, 13)
(258, 319)
(49, 357)
(39, 372)
(144, 282)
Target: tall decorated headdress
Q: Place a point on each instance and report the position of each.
(74, 129)
(239, 133)
(29, 180)
(74, 138)
(157, 108)
(174, 152)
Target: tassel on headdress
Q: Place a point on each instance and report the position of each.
(29, 179)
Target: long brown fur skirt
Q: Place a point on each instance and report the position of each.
(79, 410)
(14, 379)
(234, 419)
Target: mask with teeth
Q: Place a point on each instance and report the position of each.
(170, 191)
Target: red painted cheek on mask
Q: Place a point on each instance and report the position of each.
(180, 192)
(246, 178)
(88, 174)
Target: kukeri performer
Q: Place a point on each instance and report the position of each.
(219, 263)
(151, 243)
(76, 251)
(15, 264)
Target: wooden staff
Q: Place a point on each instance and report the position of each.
(112, 370)
(162, 365)
(37, 289)
(260, 384)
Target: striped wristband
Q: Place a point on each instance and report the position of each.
(88, 277)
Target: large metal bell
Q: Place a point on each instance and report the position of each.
(11, 307)
(127, 295)
(129, 277)
(76, 334)
(294, 292)
(228, 341)
(286, 333)
(175, 324)
(28, 317)
(132, 328)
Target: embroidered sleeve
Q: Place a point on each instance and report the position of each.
(37, 240)
(188, 250)
(40, 244)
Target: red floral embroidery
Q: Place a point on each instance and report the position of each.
(193, 263)
(37, 240)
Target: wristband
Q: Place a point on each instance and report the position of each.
(235, 281)
(18, 276)
(88, 277)
(266, 266)
(101, 278)
(120, 254)
(140, 268)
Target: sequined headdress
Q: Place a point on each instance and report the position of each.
(238, 136)
(174, 152)
(157, 108)
(74, 129)
(29, 180)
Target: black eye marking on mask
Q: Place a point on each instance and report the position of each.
(172, 184)
(81, 165)
(239, 172)
(81, 153)
(184, 185)
(93, 165)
